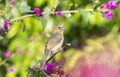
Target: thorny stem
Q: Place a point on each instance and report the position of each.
(30, 15)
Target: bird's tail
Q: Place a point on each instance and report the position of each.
(44, 58)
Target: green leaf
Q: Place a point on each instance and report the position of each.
(67, 15)
(24, 7)
(84, 14)
(1, 38)
(24, 26)
(117, 1)
(42, 22)
(97, 4)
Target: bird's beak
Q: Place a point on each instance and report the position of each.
(63, 28)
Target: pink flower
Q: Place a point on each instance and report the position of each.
(111, 5)
(37, 11)
(50, 67)
(6, 25)
(108, 14)
(99, 70)
(54, 69)
(58, 13)
(102, 7)
(19, 53)
(30, 38)
(12, 2)
(17, 47)
(1, 31)
(7, 53)
(11, 69)
(30, 51)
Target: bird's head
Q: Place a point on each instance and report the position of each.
(60, 29)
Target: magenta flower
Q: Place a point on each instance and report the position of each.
(1, 31)
(19, 53)
(49, 68)
(7, 53)
(54, 69)
(30, 51)
(108, 14)
(17, 47)
(6, 25)
(102, 7)
(12, 2)
(58, 13)
(111, 5)
(11, 69)
(37, 11)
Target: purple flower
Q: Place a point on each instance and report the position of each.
(6, 25)
(102, 7)
(19, 53)
(12, 2)
(49, 68)
(37, 11)
(58, 13)
(1, 31)
(11, 69)
(53, 69)
(108, 14)
(17, 47)
(7, 53)
(111, 5)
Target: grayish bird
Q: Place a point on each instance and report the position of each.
(54, 43)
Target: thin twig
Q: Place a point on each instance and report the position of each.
(44, 13)
(22, 17)
(67, 44)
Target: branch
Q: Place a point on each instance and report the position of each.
(44, 13)
(67, 44)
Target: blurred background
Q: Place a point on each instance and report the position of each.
(95, 42)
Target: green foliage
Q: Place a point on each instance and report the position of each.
(24, 7)
(84, 30)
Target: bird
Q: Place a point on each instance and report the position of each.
(54, 43)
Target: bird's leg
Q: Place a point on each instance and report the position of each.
(52, 55)
(61, 49)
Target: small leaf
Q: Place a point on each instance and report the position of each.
(24, 7)
(84, 14)
(67, 15)
(117, 1)
(1, 38)
(97, 4)
(91, 12)
(58, 8)
(43, 23)
(24, 26)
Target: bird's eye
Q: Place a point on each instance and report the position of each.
(59, 26)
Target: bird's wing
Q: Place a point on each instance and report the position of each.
(53, 41)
